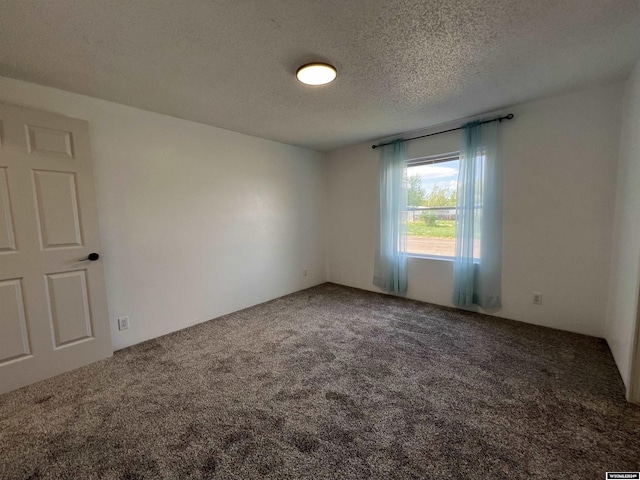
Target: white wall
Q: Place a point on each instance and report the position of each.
(559, 188)
(195, 221)
(625, 265)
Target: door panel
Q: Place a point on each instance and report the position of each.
(48, 141)
(57, 205)
(7, 239)
(14, 342)
(69, 307)
(53, 310)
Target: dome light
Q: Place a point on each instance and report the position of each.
(316, 74)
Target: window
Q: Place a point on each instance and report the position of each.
(431, 212)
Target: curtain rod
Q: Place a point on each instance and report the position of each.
(506, 117)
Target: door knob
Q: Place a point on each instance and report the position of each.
(92, 257)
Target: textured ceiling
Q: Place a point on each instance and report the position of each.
(402, 64)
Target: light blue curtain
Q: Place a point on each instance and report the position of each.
(478, 262)
(390, 272)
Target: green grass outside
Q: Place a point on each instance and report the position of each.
(442, 229)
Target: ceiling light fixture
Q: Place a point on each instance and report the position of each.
(316, 74)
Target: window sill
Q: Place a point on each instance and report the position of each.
(430, 257)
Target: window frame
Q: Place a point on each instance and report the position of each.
(432, 160)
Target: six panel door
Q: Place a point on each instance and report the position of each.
(53, 309)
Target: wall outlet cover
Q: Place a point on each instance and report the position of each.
(123, 323)
(537, 298)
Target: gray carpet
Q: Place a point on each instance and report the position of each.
(332, 383)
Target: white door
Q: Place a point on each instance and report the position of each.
(53, 309)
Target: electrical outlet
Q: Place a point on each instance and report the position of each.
(537, 298)
(123, 323)
(304, 272)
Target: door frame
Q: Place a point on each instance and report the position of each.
(633, 392)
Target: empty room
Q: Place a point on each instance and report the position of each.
(319, 239)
